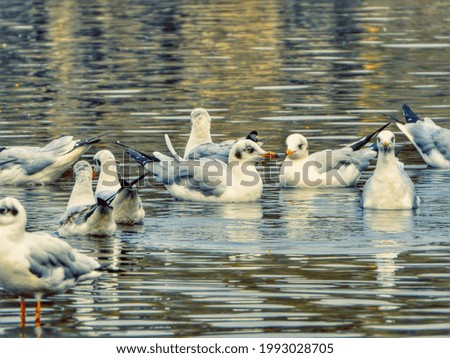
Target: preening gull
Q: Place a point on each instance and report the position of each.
(200, 144)
(327, 168)
(389, 187)
(126, 202)
(430, 140)
(209, 180)
(34, 165)
(36, 264)
(85, 214)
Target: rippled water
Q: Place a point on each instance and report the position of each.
(297, 263)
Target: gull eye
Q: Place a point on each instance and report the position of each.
(5, 210)
(300, 146)
(249, 150)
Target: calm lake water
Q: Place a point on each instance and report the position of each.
(299, 262)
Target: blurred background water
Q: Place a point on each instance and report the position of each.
(297, 263)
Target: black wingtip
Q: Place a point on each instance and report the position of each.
(102, 202)
(8, 161)
(410, 116)
(253, 136)
(138, 156)
(364, 140)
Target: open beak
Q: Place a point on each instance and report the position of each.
(269, 155)
(289, 153)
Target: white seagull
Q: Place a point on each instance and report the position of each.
(36, 264)
(209, 180)
(34, 165)
(327, 168)
(86, 215)
(430, 140)
(389, 187)
(126, 202)
(200, 144)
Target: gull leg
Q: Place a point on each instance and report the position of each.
(38, 313)
(22, 312)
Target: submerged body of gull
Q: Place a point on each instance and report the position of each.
(430, 140)
(126, 202)
(86, 215)
(327, 168)
(389, 187)
(34, 165)
(36, 264)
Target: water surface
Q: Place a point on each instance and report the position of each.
(297, 263)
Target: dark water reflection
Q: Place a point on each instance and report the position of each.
(298, 263)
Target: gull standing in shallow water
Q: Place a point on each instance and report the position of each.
(327, 168)
(209, 180)
(200, 144)
(86, 215)
(34, 165)
(430, 140)
(389, 187)
(126, 202)
(36, 264)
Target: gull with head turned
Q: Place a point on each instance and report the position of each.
(36, 264)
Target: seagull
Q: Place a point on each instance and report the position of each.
(430, 140)
(36, 264)
(34, 165)
(85, 214)
(389, 187)
(126, 202)
(209, 180)
(327, 168)
(200, 144)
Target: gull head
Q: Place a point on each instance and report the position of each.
(200, 119)
(82, 171)
(297, 146)
(12, 215)
(386, 141)
(246, 150)
(103, 159)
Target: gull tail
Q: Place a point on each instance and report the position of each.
(410, 116)
(364, 140)
(171, 148)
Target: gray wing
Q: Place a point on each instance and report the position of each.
(219, 151)
(427, 137)
(205, 175)
(48, 253)
(74, 215)
(328, 160)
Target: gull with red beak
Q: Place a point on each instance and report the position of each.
(327, 168)
(389, 187)
(209, 180)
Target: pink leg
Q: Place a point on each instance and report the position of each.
(38, 313)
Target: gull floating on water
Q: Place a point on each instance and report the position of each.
(126, 202)
(34, 165)
(200, 144)
(430, 140)
(389, 187)
(327, 168)
(36, 264)
(86, 215)
(209, 180)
